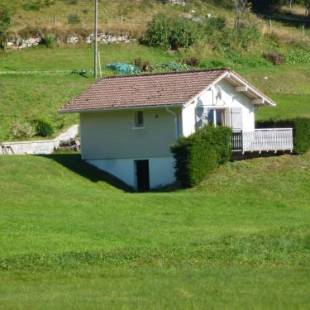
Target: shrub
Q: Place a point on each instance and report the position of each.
(49, 40)
(171, 33)
(72, 2)
(73, 19)
(171, 66)
(5, 21)
(22, 130)
(32, 6)
(301, 128)
(197, 155)
(143, 65)
(298, 56)
(157, 33)
(183, 33)
(274, 57)
(244, 37)
(214, 24)
(81, 72)
(211, 64)
(36, 5)
(43, 128)
(192, 61)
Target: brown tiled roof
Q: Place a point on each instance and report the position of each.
(166, 89)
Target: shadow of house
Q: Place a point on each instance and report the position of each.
(74, 163)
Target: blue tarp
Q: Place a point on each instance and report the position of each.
(123, 68)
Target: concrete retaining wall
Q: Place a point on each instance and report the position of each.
(40, 146)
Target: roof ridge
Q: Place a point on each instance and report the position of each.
(144, 74)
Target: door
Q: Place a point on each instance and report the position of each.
(143, 175)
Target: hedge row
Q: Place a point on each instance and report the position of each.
(201, 153)
(301, 128)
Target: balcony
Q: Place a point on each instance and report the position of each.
(263, 140)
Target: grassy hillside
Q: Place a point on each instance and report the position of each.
(39, 95)
(119, 15)
(69, 239)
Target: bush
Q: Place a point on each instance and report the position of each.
(197, 155)
(49, 40)
(143, 65)
(73, 19)
(192, 62)
(157, 33)
(171, 33)
(298, 56)
(72, 2)
(43, 128)
(81, 72)
(274, 57)
(36, 5)
(301, 128)
(22, 130)
(214, 24)
(171, 66)
(211, 64)
(183, 33)
(5, 21)
(243, 38)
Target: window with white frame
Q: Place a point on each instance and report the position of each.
(139, 119)
(216, 117)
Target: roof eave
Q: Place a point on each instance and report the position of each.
(135, 107)
(261, 99)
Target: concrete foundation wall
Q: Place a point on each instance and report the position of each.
(161, 170)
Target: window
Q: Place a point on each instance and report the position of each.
(216, 117)
(139, 121)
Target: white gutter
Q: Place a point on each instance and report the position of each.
(142, 107)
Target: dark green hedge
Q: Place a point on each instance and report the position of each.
(201, 153)
(301, 128)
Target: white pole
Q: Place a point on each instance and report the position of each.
(95, 39)
(99, 64)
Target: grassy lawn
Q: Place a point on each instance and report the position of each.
(70, 58)
(70, 239)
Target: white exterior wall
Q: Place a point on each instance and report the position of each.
(111, 135)
(110, 142)
(161, 170)
(230, 99)
(189, 119)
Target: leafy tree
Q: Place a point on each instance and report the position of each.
(241, 8)
(5, 21)
(261, 6)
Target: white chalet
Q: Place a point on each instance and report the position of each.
(129, 123)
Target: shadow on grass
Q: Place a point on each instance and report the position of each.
(74, 163)
(289, 19)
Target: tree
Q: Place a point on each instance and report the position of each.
(263, 6)
(5, 21)
(241, 8)
(307, 5)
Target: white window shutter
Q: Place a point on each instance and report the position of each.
(236, 118)
(227, 117)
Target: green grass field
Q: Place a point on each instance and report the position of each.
(69, 239)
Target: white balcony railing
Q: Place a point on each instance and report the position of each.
(264, 140)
